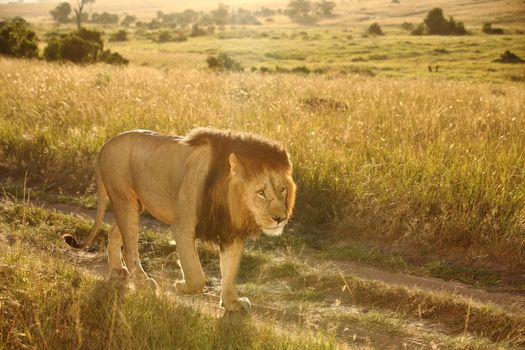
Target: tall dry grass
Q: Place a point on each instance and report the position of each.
(439, 165)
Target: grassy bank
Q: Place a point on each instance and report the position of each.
(52, 300)
(48, 303)
(430, 164)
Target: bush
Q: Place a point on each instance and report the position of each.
(128, 20)
(419, 30)
(223, 62)
(121, 35)
(197, 31)
(488, 29)
(104, 18)
(509, 57)
(17, 39)
(407, 26)
(164, 37)
(113, 58)
(375, 29)
(301, 70)
(83, 47)
(72, 47)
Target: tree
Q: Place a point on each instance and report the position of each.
(128, 20)
(299, 8)
(61, 13)
(17, 39)
(221, 16)
(324, 8)
(436, 24)
(78, 11)
(375, 29)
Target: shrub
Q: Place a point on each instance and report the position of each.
(17, 39)
(113, 58)
(197, 31)
(83, 47)
(301, 70)
(509, 57)
(128, 20)
(121, 35)
(375, 29)
(488, 29)
(104, 18)
(419, 30)
(223, 62)
(407, 26)
(72, 47)
(166, 36)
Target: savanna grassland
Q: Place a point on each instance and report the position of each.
(398, 169)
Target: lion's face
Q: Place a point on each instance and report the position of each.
(266, 197)
(269, 197)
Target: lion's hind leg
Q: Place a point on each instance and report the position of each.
(127, 217)
(117, 271)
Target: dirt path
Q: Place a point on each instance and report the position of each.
(283, 320)
(508, 301)
(311, 319)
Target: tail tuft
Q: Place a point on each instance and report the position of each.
(72, 241)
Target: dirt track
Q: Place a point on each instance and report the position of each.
(511, 302)
(96, 263)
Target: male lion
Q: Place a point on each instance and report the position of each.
(219, 186)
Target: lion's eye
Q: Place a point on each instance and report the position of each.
(261, 193)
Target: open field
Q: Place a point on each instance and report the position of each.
(431, 164)
(409, 230)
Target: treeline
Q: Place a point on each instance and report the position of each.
(83, 46)
(222, 15)
(297, 10)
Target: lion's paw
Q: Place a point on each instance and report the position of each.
(119, 275)
(187, 288)
(241, 304)
(148, 283)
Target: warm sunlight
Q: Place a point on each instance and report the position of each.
(292, 174)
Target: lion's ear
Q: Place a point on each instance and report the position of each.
(235, 165)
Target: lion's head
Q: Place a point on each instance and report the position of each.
(266, 194)
(249, 187)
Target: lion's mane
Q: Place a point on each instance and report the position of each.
(222, 216)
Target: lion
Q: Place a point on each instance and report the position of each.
(221, 187)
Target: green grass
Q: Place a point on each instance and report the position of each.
(337, 52)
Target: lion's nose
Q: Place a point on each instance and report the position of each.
(279, 219)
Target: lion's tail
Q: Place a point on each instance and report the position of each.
(101, 210)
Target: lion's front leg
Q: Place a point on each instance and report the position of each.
(192, 273)
(230, 257)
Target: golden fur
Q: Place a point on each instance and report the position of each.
(219, 186)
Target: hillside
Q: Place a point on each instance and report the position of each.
(347, 12)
